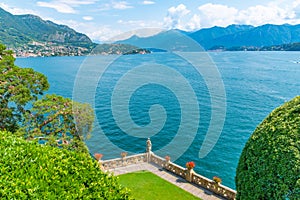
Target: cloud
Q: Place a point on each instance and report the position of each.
(217, 14)
(174, 17)
(209, 14)
(194, 23)
(140, 23)
(65, 6)
(117, 5)
(88, 18)
(273, 13)
(103, 33)
(78, 2)
(17, 11)
(121, 5)
(59, 7)
(93, 30)
(148, 2)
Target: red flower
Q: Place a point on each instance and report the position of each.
(98, 156)
(190, 165)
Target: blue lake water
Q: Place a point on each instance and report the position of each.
(255, 83)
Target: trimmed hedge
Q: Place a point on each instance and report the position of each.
(32, 171)
(269, 167)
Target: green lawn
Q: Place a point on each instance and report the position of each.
(147, 186)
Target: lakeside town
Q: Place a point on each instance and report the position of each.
(46, 49)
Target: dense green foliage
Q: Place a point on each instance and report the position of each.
(18, 87)
(147, 186)
(32, 171)
(29, 170)
(269, 167)
(60, 121)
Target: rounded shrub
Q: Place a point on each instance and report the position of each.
(32, 171)
(269, 166)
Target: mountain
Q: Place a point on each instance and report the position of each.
(228, 37)
(15, 30)
(207, 35)
(171, 40)
(265, 35)
(29, 35)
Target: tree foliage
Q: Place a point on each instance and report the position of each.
(269, 166)
(18, 87)
(60, 121)
(32, 171)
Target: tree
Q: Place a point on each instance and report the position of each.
(60, 121)
(269, 166)
(18, 87)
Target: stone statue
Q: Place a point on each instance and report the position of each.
(149, 145)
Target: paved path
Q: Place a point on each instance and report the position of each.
(168, 176)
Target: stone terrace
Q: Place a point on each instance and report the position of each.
(186, 179)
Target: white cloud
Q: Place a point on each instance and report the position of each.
(148, 2)
(103, 33)
(140, 23)
(78, 2)
(17, 11)
(65, 6)
(93, 30)
(121, 5)
(217, 14)
(59, 7)
(209, 14)
(118, 5)
(194, 23)
(88, 18)
(272, 13)
(174, 17)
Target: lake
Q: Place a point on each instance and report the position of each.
(140, 96)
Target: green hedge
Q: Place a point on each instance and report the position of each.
(269, 167)
(31, 171)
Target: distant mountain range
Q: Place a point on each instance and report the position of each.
(225, 38)
(29, 35)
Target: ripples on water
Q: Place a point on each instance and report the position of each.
(255, 83)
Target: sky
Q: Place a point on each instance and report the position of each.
(102, 20)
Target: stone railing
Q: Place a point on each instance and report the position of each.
(212, 186)
(188, 175)
(157, 160)
(125, 161)
(172, 167)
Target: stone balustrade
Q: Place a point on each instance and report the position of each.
(211, 185)
(157, 160)
(125, 161)
(170, 166)
(189, 175)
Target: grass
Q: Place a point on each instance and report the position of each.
(145, 185)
